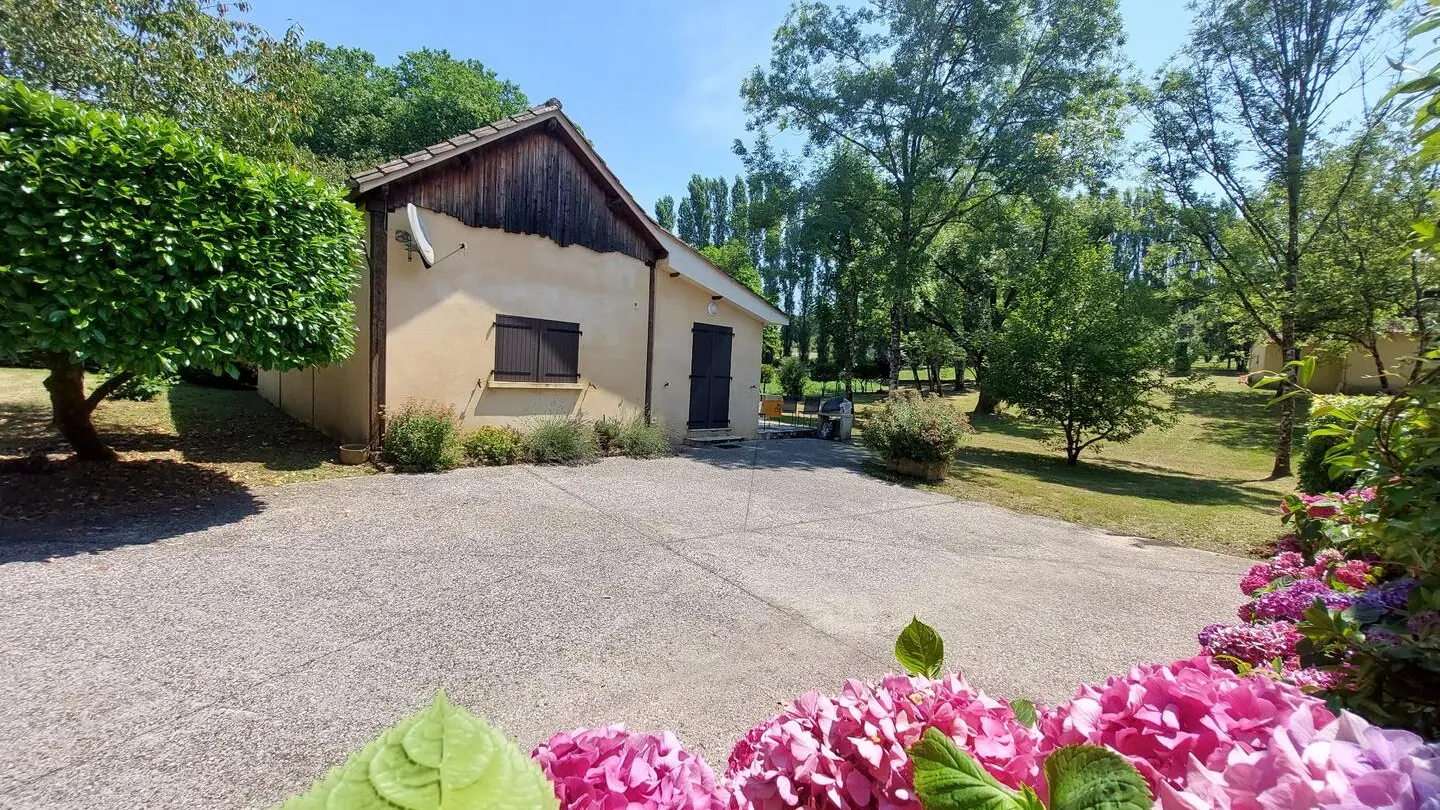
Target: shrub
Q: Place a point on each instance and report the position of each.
(914, 427)
(422, 436)
(793, 374)
(492, 445)
(607, 431)
(1315, 474)
(143, 387)
(640, 440)
(767, 374)
(561, 440)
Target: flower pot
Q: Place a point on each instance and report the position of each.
(354, 453)
(926, 470)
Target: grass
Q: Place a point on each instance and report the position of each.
(187, 442)
(1200, 483)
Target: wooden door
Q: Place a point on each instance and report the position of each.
(710, 376)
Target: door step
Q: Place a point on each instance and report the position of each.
(711, 437)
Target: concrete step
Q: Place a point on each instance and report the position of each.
(711, 437)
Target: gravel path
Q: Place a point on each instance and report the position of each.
(226, 657)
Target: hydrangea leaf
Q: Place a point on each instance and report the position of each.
(920, 650)
(1088, 777)
(1025, 712)
(443, 758)
(947, 778)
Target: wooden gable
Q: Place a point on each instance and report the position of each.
(534, 182)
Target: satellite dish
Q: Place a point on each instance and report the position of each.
(419, 235)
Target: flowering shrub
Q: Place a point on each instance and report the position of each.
(1160, 716)
(609, 767)
(851, 750)
(1345, 764)
(915, 428)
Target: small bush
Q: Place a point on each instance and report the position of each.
(561, 440)
(767, 374)
(493, 446)
(914, 427)
(422, 436)
(607, 431)
(143, 387)
(793, 375)
(639, 440)
(1314, 473)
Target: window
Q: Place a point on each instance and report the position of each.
(536, 350)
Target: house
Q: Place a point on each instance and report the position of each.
(551, 293)
(1347, 369)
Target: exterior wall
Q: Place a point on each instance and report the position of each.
(441, 342)
(679, 305)
(1350, 373)
(334, 399)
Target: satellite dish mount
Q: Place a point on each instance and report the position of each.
(417, 239)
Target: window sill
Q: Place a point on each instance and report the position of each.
(563, 386)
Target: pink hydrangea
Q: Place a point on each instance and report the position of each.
(849, 751)
(1344, 765)
(1353, 574)
(1160, 716)
(610, 768)
(1291, 601)
(1253, 644)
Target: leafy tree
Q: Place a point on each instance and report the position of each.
(1366, 281)
(189, 255)
(697, 227)
(665, 212)
(363, 112)
(951, 102)
(734, 259)
(1084, 350)
(192, 61)
(932, 349)
(740, 211)
(720, 211)
(1244, 113)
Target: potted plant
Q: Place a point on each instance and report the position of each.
(915, 435)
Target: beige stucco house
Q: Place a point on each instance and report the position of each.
(549, 292)
(1350, 370)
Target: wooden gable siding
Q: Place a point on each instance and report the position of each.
(530, 183)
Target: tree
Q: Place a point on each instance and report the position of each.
(720, 211)
(1085, 350)
(952, 102)
(740, 211)
(734, 259)
(665, 212)
(1244, 113)
(194, 256)
(933, 349)
(697, 227)
(188, 60)
(362, 112)
(1366, 281)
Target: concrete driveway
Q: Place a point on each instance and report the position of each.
(226, 658)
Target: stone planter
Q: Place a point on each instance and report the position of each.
(353, 454)
(931, 471)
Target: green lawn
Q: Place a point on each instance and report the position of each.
(1199, 483)
(188, 442)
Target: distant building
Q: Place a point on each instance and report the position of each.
(1350, 372)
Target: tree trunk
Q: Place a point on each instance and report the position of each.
(934, 372)
(1072, 448)
(915, 376)
(1374, 349)
(960, 376)
(893, 350)
(72, 409)
(986, 404)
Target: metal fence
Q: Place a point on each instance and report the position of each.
(790, 413)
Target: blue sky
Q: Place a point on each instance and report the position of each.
(654, 84)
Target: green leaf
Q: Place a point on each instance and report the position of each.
(920, 650)
(443, 758)
(946, 778)
(1025, 712)
(1088, 777)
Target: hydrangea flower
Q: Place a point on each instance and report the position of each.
(610, 768)
(1352, 573)
(849, 751)
(1254, 644)
(1293, 600)
(1261, 575)
(1160, 716)
(1344, 765)
(1387, 598)
(1315, 679)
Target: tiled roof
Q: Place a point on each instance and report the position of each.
(447, 147)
